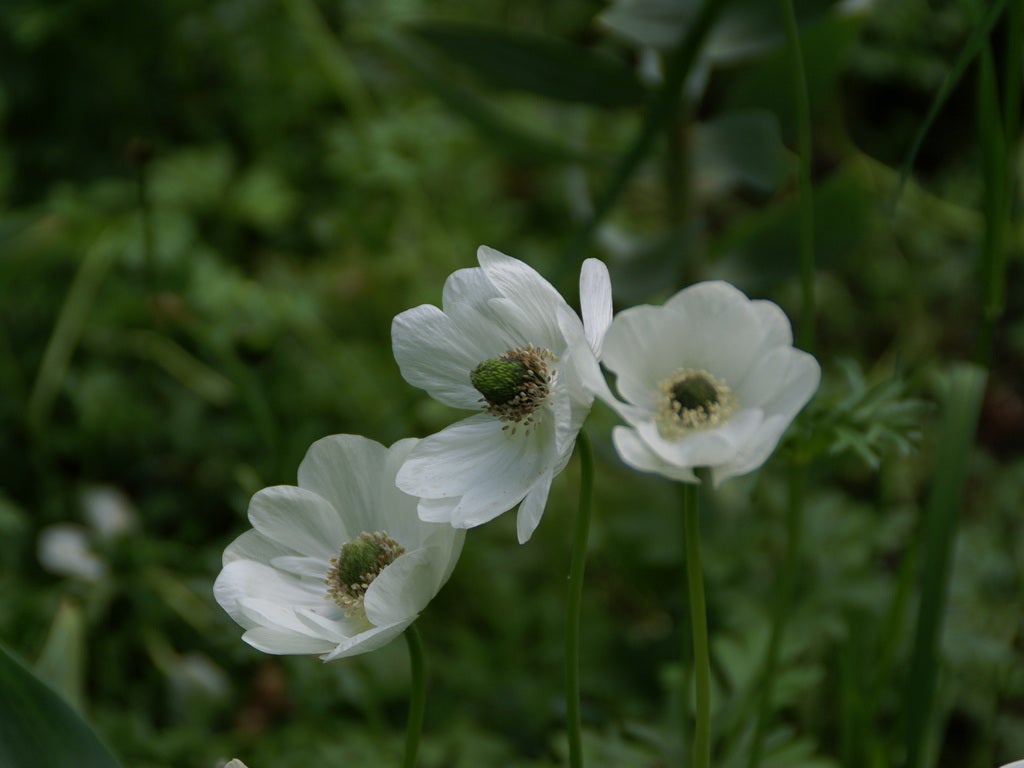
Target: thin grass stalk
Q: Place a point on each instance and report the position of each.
(574, 602)
(780, 615)
(975, 43)
(658, 114)
(802, 103)
(68, 330)
(417, 696)
(794, 512)
(699, 625)
(996, 181)
(962, 405)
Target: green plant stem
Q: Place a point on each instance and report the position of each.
(780, 617)
(417, 696)
(659, 112)
(806, 202)
(574, 601)
(962, 404)
(699, 624)
(971, 48)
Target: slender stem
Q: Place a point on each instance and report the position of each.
(659, 111)
(783, 600)
(699, 623)
(574, 600)
(803, 127)
(417, 696)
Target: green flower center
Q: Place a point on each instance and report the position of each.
(692, 399)
(358, 563)
(515, 385)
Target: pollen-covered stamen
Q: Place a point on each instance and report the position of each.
(358, 563)
(515, 385)
(692, 399)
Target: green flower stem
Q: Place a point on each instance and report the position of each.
(806, 202)
(699, 622)
(794, 513)
(783, 600)
(574, 601)
(417, 696)
(659, 111)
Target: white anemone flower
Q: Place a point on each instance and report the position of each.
(711, 380)
(339, 565)
(506, 344)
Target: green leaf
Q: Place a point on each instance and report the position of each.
(740, 148)
(539, 65)
(39, 730)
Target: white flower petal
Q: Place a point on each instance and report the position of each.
(298, 519)
(252, 545)
(367, 641)
(345, 470)
(314, 568)
(773, 323)
(754, 452)
(436, 355)
(402, 589)
(273, 585)
(781, 382)
(643, 347)
(477, 453)
(713, 327)
(536, 299)
(281, 643)
(595, 302)
(532, 507)
(704, 447)
(635, 453)
(244, 579)
(480, 467)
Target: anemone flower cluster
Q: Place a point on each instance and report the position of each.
(345, 561)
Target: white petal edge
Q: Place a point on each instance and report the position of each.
(635, 453)
(531, 508)
(595, 303)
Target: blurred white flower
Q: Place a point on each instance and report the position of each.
(65, 549)
(506, 344)
(1017, 764)
(711, 379)
(235, 763)
(68, 549)
(339, 565)
(108, 511)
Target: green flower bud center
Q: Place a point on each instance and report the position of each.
(695, 392)
(358, 563)
(515, 385)
(499, 380)
(690, 400)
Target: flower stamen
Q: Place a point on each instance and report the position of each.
(692, 399)
(515, 385)
(358, 563)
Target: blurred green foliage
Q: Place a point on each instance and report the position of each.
(210, 211)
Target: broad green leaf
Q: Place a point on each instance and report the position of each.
(539, 65)
(38, 729)
(740, 148)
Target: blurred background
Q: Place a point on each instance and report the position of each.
(210, 211)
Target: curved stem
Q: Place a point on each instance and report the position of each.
(417, 696)
(806, 202)
(699, 623)
(574, 601)
(783, 598)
